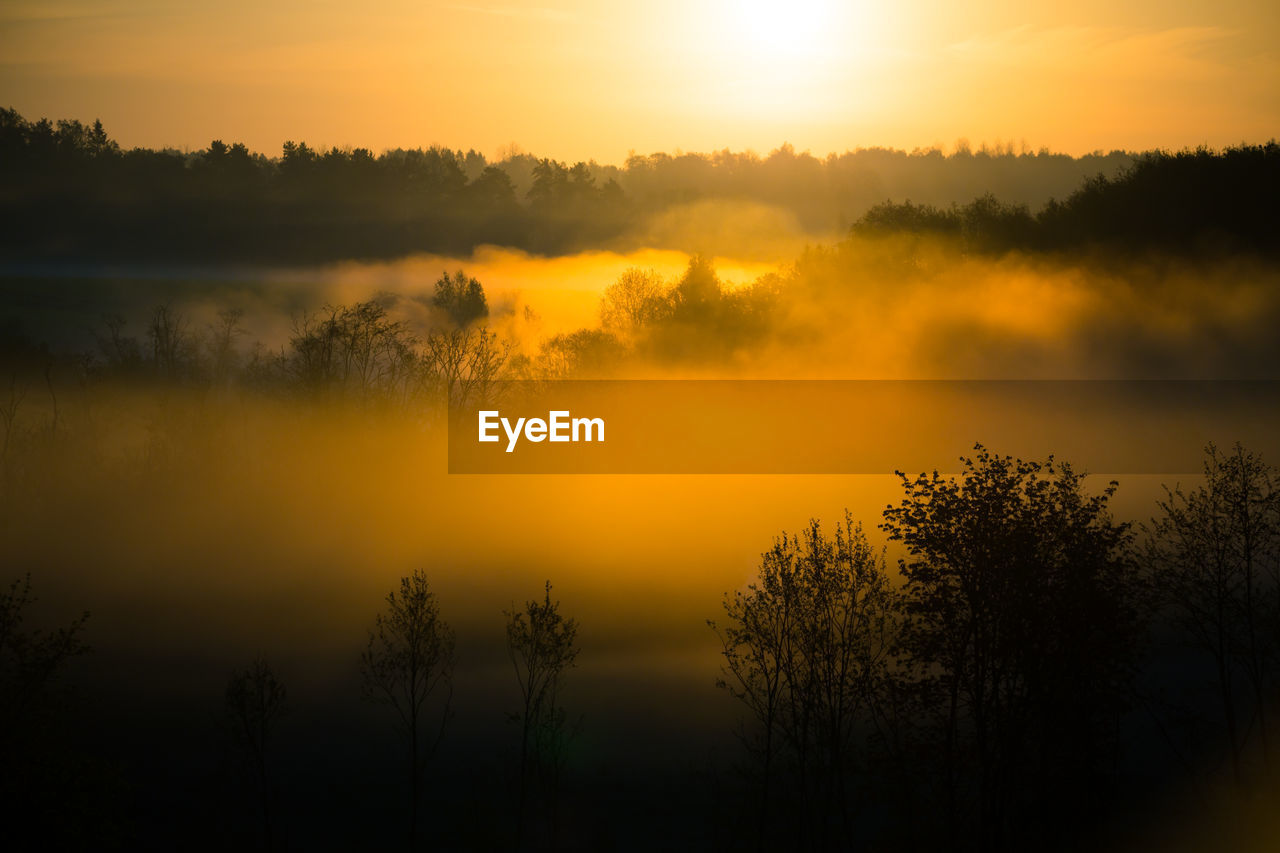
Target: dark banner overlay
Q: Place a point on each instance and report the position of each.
(854, 427)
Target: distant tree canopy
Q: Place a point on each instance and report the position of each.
(72, 193)
(1190, 201)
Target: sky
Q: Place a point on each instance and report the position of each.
(577, 80)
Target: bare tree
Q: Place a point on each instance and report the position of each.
(121, 352)
(586, 353)
(542, 645)
(466, 363)
(53, 400)
(356, 352)
(255, 699)
(805, 650)
(221, 343)
(41, 773)
(172, 347)
(1215, 554)
(637, 299)
(408, 665)
(30, 658)
(8, 413)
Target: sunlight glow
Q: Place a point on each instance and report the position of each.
(776, 28)
(783, 60)
(584, 79)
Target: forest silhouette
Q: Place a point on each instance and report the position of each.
(73, 194)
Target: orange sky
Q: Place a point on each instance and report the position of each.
(575, 79)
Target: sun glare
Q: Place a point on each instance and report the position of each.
(779, 28)
(777, 58)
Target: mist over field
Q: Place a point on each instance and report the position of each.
(224, 436)
(1008, 273)
(898, 308)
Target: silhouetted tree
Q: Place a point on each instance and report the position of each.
(988, 225)
(221, 344)
(41, 773)
(173, 349)
(805, 650)
(542, 645)
(9, 406)
(356, 352)
(1018, 634)
(255, 698)
(121, 352)
(637, 299)
(462, 298)
(1214, 553)
(466, 363)
(890, 218)
(30, 658)
(696, 296)
(408, 665)
(579, 354)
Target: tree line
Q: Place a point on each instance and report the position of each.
(346, 352)
(407, 667)
(73, 194)
(1201, 202)
(981, 695)
(403, 353)
(368, 354)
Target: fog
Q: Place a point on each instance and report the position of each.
(269, 504)
(203, 524)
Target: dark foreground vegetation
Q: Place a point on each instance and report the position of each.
(982, 694)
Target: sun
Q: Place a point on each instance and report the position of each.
(782, 29)
(773, 59)
(770, 62)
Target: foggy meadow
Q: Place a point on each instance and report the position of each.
(224, 386)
